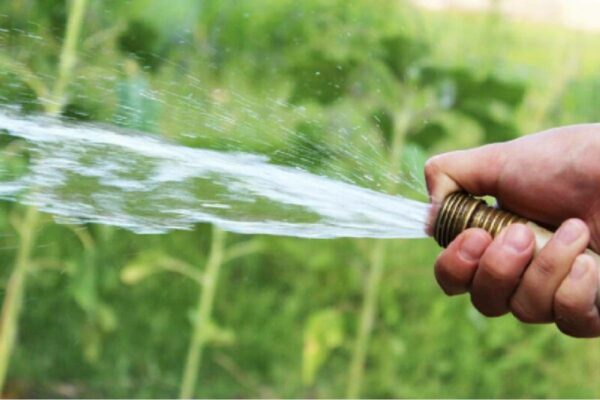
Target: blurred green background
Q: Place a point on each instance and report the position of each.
(363, 91)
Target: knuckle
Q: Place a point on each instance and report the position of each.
(449, 279)
(522, 312)
(485, 309)
(566, 306)
(441, 268)
(486, 312)
(578, 327)
(484, 304)
(565, 329)
(443, 277)
(450, 290)
(576, 319)
(566, 326)
(455, 276)
(431, 167)
(544, 264)
(480, 305)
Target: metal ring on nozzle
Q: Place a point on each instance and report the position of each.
(461, 211)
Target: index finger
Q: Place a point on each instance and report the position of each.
(476, 171)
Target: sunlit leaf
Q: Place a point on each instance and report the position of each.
(323, 333)
(83, 285)
(218, 335)
(138, 270)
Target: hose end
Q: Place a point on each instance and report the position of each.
(461, 211)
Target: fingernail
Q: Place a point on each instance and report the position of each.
(472, 248)
(570, 231)
(517, 238)
(579, 269)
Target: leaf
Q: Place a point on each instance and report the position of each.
(137, 271)
(152, 262)
(82, 284)
(212, 332)
(218, 335)
(91, 342)
(107, 319)
(323, 333)
(489, 101)
(428, 135)
(470, 88)
(243, 249)
(141, 40)
(401, 53)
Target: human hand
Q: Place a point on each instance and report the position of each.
(548, 177)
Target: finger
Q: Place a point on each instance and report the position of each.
(476, 171)
(500, 270)
(575, 301)
(455, 267)
(533, 300)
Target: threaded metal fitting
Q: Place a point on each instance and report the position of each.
(461, 211)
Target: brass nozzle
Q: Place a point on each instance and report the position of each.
(461, 211)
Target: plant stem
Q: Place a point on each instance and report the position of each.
(15, 290)
(367, 318)
(68, 56)
(374, 275)
(13, 299)
(203, 315)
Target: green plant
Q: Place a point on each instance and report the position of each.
(320, 85)
(13, 300)
(202, 319)
(204, 330)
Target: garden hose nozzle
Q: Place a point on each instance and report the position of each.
(461, 211)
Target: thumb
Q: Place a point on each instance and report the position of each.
(476, 171)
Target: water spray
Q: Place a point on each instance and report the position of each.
(238, 192)
(461, 211)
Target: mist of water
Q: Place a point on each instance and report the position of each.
(100, 174)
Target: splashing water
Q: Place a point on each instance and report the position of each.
(88, 173)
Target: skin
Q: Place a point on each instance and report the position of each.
(553, 178)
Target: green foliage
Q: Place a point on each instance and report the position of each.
(141, 41)
(135, 109)
(580, 101)
(490, 101)
(320, 85)
(323, 333)
(321, 79)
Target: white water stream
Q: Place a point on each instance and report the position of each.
(91, 173)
